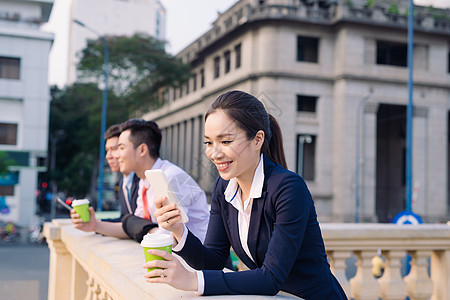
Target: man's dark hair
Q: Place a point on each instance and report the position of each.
(144, 132)
(112, 131)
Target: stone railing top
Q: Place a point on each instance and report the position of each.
(350, 236)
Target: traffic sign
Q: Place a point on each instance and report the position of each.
(407, 217)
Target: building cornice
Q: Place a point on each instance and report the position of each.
(29, 33)
(243, 14)
(173, 107)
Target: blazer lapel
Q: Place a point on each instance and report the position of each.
(255, 222)
(134, 192)
(258, 210)
(230, 214)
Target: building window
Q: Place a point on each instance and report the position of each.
(165, 96)
(7, 190)
(306, 103)
(306, 156)
(227, 57)
(216, 66)
(181, 90)
(202, 77)
(307, 49)
(187, 86)
(9, 67)
(41, 161)
(237, 53)
(8, 134)
(194, 82)
(393, 54)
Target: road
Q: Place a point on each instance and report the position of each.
(24, 271)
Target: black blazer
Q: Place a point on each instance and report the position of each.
(284, 239)
(134, 195)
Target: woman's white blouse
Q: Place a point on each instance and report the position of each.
(233, 196)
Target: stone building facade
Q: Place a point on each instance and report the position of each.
(24, 104)
(328, 70)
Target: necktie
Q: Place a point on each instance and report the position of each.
(146, 213)
(128, 194)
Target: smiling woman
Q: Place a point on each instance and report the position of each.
(260, 209)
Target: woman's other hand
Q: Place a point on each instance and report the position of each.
(171, 272)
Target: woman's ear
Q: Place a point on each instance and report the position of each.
(259, 139)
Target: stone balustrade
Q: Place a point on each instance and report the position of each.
(91, 266)
(427, 244)
(94, 267)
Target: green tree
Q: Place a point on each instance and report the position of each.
(139, 69)
(5, 163)
(75, 117)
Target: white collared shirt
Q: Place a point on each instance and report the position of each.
(233, 196)
(190, 195)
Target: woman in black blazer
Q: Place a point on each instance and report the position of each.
(259, 208)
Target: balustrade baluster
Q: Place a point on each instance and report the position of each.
(391, 283)
(440, 274)
(97, 291)
(419, 284)
(363, 285)
(90, 288)
(338, 266)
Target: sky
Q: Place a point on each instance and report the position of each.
(186, 20)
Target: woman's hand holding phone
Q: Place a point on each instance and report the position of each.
(168, 217)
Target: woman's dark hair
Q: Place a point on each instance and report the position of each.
(251, 116)
(144, 132)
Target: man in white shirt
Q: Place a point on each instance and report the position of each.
(138, 151)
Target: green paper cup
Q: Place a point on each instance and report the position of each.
(156, 241)
(82, 208)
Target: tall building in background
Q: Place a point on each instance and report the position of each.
(328, 70)
(112, 17)
(24, 103)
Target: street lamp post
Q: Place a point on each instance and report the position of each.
(104, 106)
(409, 108)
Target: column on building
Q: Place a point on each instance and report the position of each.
(419, 163)
(435, 196)
(343, 152)
(369, 166)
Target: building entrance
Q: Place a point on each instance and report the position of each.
(391, 154)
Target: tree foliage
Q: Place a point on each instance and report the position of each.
(138, 68)
(5, 162)
(75, 119)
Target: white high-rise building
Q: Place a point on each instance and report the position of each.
(112, 17)
(24, 104)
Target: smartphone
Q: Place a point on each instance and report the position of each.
(63, 203)
(161, 187)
